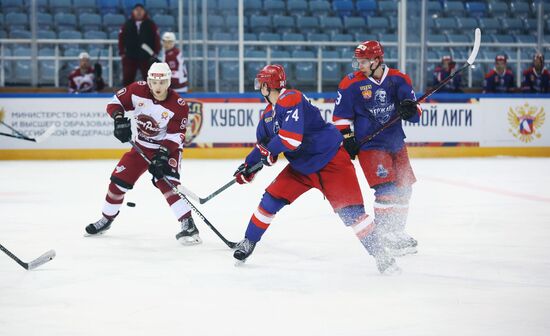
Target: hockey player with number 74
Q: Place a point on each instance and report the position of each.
(292, 126)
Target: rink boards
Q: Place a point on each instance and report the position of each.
(224, 127)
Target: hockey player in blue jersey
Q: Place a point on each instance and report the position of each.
(367, 100)
(292, 126)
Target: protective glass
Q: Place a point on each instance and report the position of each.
(257, 84)
(357, 63)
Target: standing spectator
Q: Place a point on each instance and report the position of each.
(536, 79)
(500, 79)
(137, 30)
(84, 78)
(443, 71)
(174, 58)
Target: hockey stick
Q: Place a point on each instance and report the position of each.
(32, 264)
(149, 51)
(230, 244)
(19, 135)
(469, 62)
(255, 168)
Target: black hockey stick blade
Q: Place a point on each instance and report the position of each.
(18, 135)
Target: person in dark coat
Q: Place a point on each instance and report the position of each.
(137, 30)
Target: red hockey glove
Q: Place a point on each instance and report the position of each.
(267, 158)
(243, 175)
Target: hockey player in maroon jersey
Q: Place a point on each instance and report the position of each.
(161, 116)
(500, 79)
(86, 79)
(292, 126)
(368, 99)
(536, 79)
(173, 57)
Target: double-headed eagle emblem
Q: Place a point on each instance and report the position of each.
(526, 122)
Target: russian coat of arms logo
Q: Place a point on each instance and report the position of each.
(526, 121)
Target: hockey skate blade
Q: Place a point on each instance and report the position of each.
(402, 252)
(392, 270)
(239, 263)
(190, 240)
(41, 260)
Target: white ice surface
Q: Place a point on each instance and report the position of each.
(483, 227)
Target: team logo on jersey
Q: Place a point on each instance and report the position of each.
(121, 92)
(181, 101)
(165, 115)
(526, 122)
(381, 171)
(183, 123)
(173, 163)
(194, 121)
(276, 127)
(119, 169)
(381, 97)
(142, 83)
(147, 125)
(366, 91)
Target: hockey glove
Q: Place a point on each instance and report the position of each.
(123, 128)
(267, 158)
(243, 175)
(159, 165)
(98, 70)
(350, 144)
(407, 109)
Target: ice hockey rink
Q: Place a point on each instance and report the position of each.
(483, 227)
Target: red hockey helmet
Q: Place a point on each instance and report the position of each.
(274, 75)
(369, 49)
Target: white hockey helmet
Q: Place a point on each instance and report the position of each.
(160, 71)
(169, 36)
(83, 55)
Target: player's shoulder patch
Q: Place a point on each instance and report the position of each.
(290, 98)
(399, 74)
(142, 83)
(266, 111)
(351, 78)
(181, 101)
(121, 92)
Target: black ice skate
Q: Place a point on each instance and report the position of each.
(399, 244)
(189, 234)
(243, 250)
(99, 227)
(386, 264)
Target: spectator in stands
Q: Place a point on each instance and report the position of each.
(443, 71)
(137, 30)
(500, 79)
(536, 79)
(173, 57)
(84, 78)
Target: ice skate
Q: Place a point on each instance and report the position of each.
(243, 250)
(400, 244)
(189, 234)
(386, 264)
(99, 227)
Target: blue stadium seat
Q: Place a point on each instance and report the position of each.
(305, 71)
(293, 37)
(274, 7)
(297, 7)
(337, 37)
(113, 35)
(46, 68)
(250, 37)
(165, 22)
(384, 38)
(343, 7)
(72, 52)
(519, 9)
(252, 7)
(476, 8)
(498, 8)
(64, 21)
(12, 6)
(487, 38)
(159, 6)
(331, 24)
(232, 23)
(219, 36)
(46, 34)
(459, 38)
(89, 21)
(95, 35)
(42, 5)
(307, 24)
(526, 38)
(504, 38)
(94, 51)
(283, 24)
(332, 72)
(387, 8)
(434, 7)
(85, 6)
(367, 7)
(319, 8)
(438, 38)
(489, 25)
(64, 6)
(377, 24)
(128, 5)
(3, 34)
(530, 25)
(44, 21)
(260, 23)
(318, 37)
(453, 8)
(512, 25)
(22, 68)
(354, 24)
(20, 34)
(269, 37)
(467, 24)
(445, 24)
(16, 21)
(108, 6)
(360, 37)
(216, 23)
(227, 7)
(251, 68)
(277, 55)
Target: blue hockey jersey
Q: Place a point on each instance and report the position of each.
(294, 127)
(368, 104)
